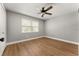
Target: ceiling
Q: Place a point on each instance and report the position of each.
(33, 9)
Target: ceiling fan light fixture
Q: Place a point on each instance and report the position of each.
(44, 11)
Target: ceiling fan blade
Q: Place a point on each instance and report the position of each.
(49, 13)
(42, 15)
(49, 8)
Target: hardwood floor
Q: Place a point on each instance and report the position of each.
(41, 47)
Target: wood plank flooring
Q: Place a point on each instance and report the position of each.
(41, 47)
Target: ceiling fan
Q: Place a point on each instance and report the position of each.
(44, 11)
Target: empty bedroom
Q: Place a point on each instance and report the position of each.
(39, 29)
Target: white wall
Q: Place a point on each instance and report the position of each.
(14, 27)
(64, 27)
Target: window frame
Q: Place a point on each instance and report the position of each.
(29, 26)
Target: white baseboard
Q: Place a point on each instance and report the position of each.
(63, 40)
(24, 40)
(41, 37)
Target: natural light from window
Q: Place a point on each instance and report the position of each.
(30, 26)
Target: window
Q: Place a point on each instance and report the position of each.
(30, 26)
